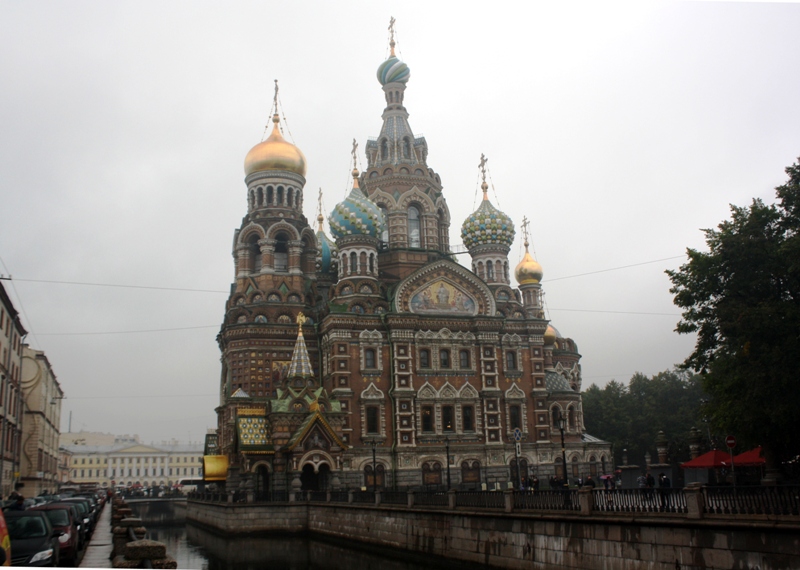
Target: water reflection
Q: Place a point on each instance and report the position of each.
(197, 549)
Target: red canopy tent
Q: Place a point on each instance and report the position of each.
(750, 458)
(710, 460)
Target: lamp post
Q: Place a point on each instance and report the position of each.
(374, 468)
(562, 423)
(447, 451)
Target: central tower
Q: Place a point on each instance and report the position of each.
(399, 180)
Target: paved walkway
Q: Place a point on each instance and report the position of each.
(98, 552)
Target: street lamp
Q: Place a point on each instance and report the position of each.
(374, 468)
(562, 424)
(447, 451)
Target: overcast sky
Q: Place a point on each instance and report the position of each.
(619, 130)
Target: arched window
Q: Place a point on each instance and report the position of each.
(372, 263)
(480, 269)
(515, 416)
(406, 148)
(463, 359)
(443, 241)
(369, 358)
(269, 195)
(384, 149)
(489, 271)
(353, 262)
(260, 196)
(511, 360)
(571, 417)
(575, 468)
(424, 358)
(413, 227)
(281, 252)
(280, 195)
(385, 230)
(556, 413)
(289, 196)
(444, 358)
(505, 271)
(255, 253)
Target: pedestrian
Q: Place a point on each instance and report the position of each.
(19, 504)
(589, 482)
(641, 481)
(665, 486)
(535, 483)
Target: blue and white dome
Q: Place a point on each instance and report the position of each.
(393, 71)
(487, 225)
(327, 250)
(356, 215)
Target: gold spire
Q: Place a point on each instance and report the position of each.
(301, 320)
(525, 224)
(391, 35)
(355, 165)
(484, 186)
(320, 217)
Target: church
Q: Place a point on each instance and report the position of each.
(372, 358)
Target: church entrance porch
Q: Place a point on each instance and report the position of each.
(319, 480)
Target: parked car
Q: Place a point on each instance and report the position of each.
(69, 540)
(87, 517)
(83, 536)
(5, 543)
(33, 540)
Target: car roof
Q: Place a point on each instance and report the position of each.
(51, 507)
(25, 513)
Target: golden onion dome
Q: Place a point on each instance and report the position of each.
(275, 153)
(550, 335)
(528, 271)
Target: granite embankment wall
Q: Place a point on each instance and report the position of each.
(514, 540)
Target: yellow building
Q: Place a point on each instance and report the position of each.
(133, 465)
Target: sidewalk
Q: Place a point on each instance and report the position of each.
(98, 551)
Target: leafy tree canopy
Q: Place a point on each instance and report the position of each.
(631, 416)
(742, 298)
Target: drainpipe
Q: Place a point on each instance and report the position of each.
(392, 403)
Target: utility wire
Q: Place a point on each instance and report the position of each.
(131, 332)
(616, 268)
(616, 312)
(119, 286)
(21, 306)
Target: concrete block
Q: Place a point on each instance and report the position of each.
(145, 550)
(167, 563)
(122, 562)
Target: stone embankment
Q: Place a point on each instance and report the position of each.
(130, 548)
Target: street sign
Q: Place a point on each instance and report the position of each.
(730, 441)
(518, 449)
(517, 434)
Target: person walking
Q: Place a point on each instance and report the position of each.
(665, 490)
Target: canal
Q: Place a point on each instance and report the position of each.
(195, 548)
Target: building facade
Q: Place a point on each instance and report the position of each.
(41, 424)
(12, 334)
(133, 465)
(374, 357)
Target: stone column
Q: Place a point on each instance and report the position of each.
(508, 497)
(695, 503)
(586, 500)
(451, 499)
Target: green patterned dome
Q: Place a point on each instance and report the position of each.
(393, 71)
(487, 225)
(356, 215)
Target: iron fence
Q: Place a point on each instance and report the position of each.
(435, 499)
(779, 500)
(639, 500)
(394, 497)
(363, 497)
(480, 499)
(553, 500)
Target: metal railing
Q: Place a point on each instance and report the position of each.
(781, 500)
(639, 501)
(480, 499)
(725, 501)
(551, 500)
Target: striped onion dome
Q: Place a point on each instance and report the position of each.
(393, 71)
(487, 225)
(356, 215)
(327, 248)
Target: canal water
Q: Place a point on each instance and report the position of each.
(197, 549)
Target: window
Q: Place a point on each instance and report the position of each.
(489, 271)
(369, 358)
(448, 419)
(427, 419)
(511, 360)
(255, 254)
(413, 228)
(281, 253)
(515, 416)
(571, 417)
(385, 230)
(444, 358)
(463, 358)
(372, 420)
(468, 418)
(424, 358)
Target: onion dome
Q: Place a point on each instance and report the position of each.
(550, 335)
(356, 215)
(487, 225)
(275, 153)
(393, 71)
(528, 271)
(327, 248)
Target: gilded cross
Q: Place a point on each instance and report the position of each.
(482, 166)
(353, 153)
(391, 33)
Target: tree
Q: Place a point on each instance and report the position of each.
(631, 416)
(742, 298)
